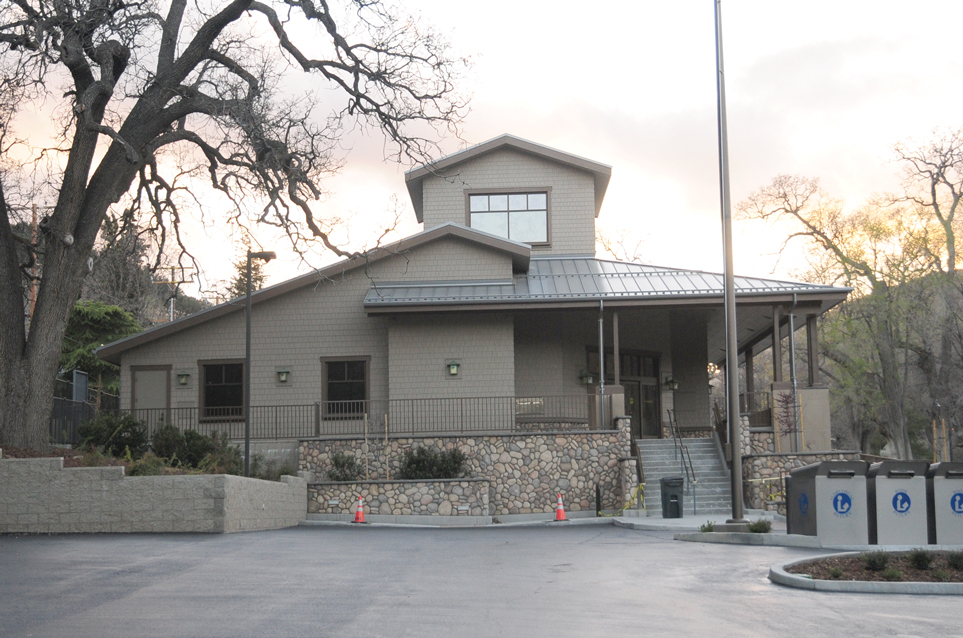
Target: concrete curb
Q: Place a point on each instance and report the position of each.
(779, 575)
(747, 538)
(793, 540)
(372, 524)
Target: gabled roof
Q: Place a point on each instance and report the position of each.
(579, 281)
(416, 176)
(519, 253)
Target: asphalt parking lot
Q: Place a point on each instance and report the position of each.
(350, 581)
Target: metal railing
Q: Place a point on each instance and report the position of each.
(685, 460)
(66, 418)
(381, 417)
(752, 402)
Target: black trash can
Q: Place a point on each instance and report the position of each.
(672, 487)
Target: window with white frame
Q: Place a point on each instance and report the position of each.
(518, 216)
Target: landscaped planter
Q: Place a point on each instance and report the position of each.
(40, 496)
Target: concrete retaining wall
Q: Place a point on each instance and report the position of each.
(40, 496)
(451, 497)
(525, 471)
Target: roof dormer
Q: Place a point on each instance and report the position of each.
(515, 189)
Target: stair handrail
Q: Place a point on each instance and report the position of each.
(682, 452)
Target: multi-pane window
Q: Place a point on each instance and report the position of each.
(346, 386)
(223, 391)
(519, 216)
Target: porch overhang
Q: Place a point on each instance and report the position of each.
(574, 284)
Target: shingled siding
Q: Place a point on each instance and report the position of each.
(40, 496)
(525, 471)
(420, 347)
(572, 196)
(296, 330)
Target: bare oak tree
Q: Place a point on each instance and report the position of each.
(901, 334)
(150, 93)
(874, 250)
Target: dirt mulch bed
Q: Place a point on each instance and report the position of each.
(80, 458)
(72, 458)
(853, 568)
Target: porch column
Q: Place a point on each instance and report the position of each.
(776, 347)
(615, 347)
(812, 340)
(750, 382)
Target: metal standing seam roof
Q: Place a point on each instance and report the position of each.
(574, 278)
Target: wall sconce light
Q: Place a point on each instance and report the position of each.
(671, 384)
(183, 378)
(283, 374)
(453, 367)
(586, 377)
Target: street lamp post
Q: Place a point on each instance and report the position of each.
(732, 344)
(266, 256)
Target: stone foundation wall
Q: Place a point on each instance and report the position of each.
(525, 471)
(629, 481)
(762, 474)
(40, 496)
(451, 497)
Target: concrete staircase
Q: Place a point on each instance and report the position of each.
(712, 490)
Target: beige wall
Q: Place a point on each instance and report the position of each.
(296, 330)
(572, 197)
(419, 348)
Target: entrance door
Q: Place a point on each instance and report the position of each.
(633, 406)
(651, 424)
(150, 394)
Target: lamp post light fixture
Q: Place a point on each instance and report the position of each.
(266, 256)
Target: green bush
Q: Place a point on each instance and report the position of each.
(941, 575)
(707, 527)
(875, 561)
(196, 447)
(921, 558)
(761, 526)
(428, 463)
(168, 443)
(954, 560)
(148, 465)
(344, 467)
(836, 573)
(891, 573)
(271, 470)
(115, 434)
(223, 458)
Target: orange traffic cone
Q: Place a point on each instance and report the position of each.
(359, 514)
(560, 510)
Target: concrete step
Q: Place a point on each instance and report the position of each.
(711, 492)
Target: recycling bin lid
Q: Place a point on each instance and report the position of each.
(834, 469)
(898, 469)
(946, 470)
(672, 481)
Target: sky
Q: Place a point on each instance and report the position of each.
(817, 88)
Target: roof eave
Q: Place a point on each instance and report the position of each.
(520, 255)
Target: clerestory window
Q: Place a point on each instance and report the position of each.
(518, 216)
